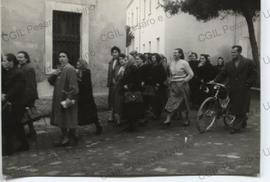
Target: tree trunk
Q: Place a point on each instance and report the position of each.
(254, 46)
(252, 38)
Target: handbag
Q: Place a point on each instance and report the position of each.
(133, 97)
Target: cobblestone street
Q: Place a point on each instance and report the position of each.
(148, 151)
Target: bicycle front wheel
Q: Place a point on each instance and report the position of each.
(207, 114)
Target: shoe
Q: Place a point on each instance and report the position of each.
(73, 142)
(179, 116)
(132, 129)
(32, 134)
(64, 142)
(99, 130)
(6, 153)
(142, 122)
(186, 123)
(244, 124)
(24, 147)
(233, 131)
(165, 125)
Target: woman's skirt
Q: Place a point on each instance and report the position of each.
(178, 97)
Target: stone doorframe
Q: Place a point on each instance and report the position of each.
(84, 9)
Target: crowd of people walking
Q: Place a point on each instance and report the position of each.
(141, 88)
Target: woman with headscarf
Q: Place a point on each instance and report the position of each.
(87, 109)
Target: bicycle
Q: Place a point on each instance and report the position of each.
(214, 107)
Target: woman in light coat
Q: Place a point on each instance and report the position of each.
(64, 105)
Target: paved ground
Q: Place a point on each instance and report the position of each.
(149, 151)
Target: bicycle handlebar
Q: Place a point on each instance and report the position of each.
(215, 83)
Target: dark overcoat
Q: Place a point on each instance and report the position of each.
(87, 109)
(132, 78)
(206, 73)
(194, 83)
(240, 79)
(30, 93)
(12, 126)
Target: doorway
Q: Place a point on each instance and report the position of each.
(66, 35)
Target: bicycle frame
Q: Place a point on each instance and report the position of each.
(219, 109)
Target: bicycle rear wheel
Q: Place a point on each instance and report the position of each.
(207, 114)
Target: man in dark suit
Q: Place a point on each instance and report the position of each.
(241, 75)
(113, 65)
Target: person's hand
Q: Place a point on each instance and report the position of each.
(57, 72)
(211, 82)
(125, 87)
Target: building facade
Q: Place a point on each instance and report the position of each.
(157, 31)
(84, 28)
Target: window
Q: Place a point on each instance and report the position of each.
(158, 42)
(149, 46)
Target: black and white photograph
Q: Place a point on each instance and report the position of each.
(131, 88)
